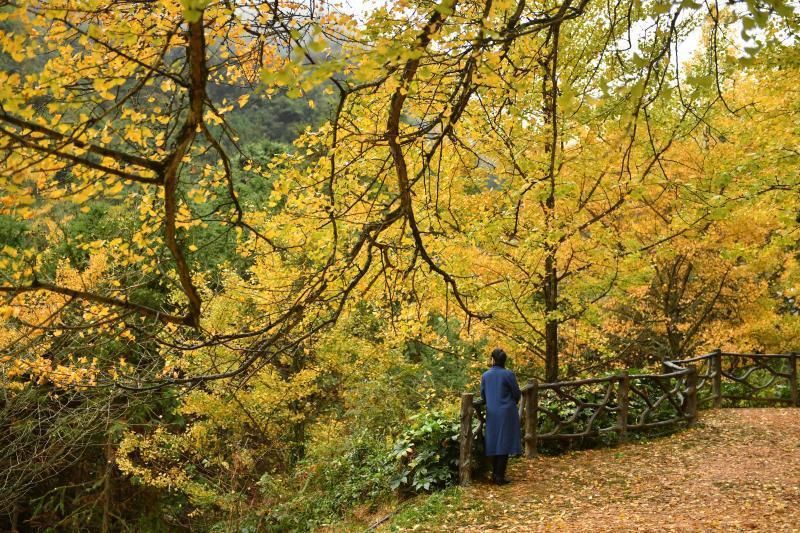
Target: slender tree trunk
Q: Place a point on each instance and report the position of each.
(550, 280)
(551, 324)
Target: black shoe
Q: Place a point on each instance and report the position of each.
(502, 481)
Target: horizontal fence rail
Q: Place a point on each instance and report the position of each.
(733, 379)
(608, 409)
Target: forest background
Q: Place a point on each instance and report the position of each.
(251, 252)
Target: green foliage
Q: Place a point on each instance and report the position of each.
(429, 508)
(12, 231)
(252, 189)
(334, 479)
(101, 221)
(281, 118)
(449, 369)
(566, 411)
(427, 453)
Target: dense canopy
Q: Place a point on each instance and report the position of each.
(240, 238)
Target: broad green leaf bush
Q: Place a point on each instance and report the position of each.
(426, 454)
(425, 457)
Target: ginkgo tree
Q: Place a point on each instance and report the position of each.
(492, 166)
(112, 115)
(727, 277)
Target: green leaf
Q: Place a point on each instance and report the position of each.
(661, 7)
(445, 8)
(193, 9)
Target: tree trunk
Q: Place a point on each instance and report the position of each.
(550, 281)
(551, 323)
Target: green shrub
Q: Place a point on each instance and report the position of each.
(324, 486)
(426, 454)
(425, 457)
(360, 474)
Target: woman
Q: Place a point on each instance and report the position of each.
(501, 393)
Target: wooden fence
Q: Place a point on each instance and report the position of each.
(619, 405)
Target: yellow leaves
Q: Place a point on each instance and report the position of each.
(242, 101)
(140, 239)
(94, 31)
(80, 373)
(135, 135)
(6, 312)
(193, 9)
(103, 86)
(16, 46)
(211, 117)
(81, 193)
(9, 83)
(185, 219)
(115, 189)
(157, 457)
(167, 85)
(198, 195)
(298, 79)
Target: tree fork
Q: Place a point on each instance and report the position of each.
(198, 74)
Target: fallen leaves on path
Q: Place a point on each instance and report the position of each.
(736, 470)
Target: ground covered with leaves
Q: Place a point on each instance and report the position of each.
(736, 470)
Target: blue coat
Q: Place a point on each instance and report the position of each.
(500, 390)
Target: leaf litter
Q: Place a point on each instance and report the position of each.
(736, 470)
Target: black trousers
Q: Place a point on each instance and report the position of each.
(499, 463)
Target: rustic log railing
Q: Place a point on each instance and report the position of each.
(727, 379)
(618, 405)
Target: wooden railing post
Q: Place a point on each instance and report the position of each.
(465, 440)
(531, 410)
(793, 378)
(691, 394)
(716, 364)
(622, 399)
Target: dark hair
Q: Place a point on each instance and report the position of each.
(499, 357)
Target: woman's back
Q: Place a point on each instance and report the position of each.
(499, 389)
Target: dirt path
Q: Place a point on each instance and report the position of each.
(737, 470)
